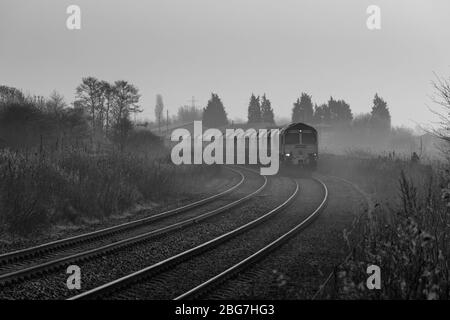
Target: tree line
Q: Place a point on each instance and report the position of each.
(101, 111)
(334, 113)
(109, 106)
(338, 113)
(27, 121)
(259, 111)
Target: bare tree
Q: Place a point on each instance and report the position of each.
(442, 98)
(126, 98)
(10, 94)
(55, 103)
(125, 102)
(108, 99)
(88, 97)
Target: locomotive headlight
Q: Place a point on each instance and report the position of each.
(287, 154)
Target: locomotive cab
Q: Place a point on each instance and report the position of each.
(299, 145)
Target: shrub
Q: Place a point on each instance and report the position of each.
(29, 188)
(39, 190)
(407, 236)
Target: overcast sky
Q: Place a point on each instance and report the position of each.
(185, 48)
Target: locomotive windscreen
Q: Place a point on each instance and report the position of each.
(292, 137)
(308, 138)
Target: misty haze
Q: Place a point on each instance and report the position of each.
(224, 150)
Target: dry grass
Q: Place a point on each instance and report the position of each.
(407, 235)
(41, 189)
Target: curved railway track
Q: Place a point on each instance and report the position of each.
(210, 284)
(125, 284)
(370, 209)
(42, 259)
(22, 254)
(297, 270)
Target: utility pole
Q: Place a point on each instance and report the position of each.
(192, 101)
(167, 121)
(159, 125)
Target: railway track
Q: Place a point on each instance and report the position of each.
(370, 208)
(213, 282)
(298, 269)
(131, 285)
(39, 260)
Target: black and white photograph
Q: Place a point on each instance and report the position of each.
(227, 158)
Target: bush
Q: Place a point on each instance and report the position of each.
(29, 188)
(39, 190)
(407, 235)
(99, 185)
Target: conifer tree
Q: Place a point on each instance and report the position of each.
(266, 110)
(303, 109)
(214, 114)
(254, 110)
(340, 112)
(381, 118)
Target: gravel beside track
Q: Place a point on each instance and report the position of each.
(251, 183)
(194, 271)
(130, 259)
(223, 181)
(298, 268)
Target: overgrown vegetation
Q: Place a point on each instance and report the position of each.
(62, 164)
(408, 233)
(39, 190)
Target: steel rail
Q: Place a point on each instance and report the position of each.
(35, 251)
(370, 209)
(159, 267)
(15, 276)
(263, 252)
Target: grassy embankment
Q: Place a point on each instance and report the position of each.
(41, 190)
(407, 235)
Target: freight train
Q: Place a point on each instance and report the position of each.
(299, 146)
